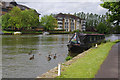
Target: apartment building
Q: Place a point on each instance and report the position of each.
(68, 22)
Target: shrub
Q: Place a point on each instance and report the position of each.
(68, 58)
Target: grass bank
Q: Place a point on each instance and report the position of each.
(9, 32)
(88, 65)
(23, 32)
(35, 32)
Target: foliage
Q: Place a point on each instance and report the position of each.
(114, 9)
(88, 65)
(0, 20)
(68, 58)
(117, 29)
(102, 28)
(17, 19)
(93, 20)
(5, 21)
(76, 30)
(114, 14)
(48, 22)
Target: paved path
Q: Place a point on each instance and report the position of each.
(109, 68)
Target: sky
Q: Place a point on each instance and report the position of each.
(46, 7)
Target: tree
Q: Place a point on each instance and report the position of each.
(17, 19)
(103, 28)
(5, 22)
(114, 11)
(0, 20)
(48, 22)
(93, 20)
(116, 29)
(30, 19)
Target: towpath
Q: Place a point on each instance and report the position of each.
(109, 68)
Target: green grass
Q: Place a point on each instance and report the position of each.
(87, 66)
(31, 32)
(57, 32)
(7, 31)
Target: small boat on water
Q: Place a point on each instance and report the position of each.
(80, 42)
(17, 33)
(46, 33)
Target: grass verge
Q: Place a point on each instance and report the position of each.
(23, 32)
(8, 31)
(87, 66)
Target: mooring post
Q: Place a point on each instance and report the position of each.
(96, 46)
(59, 69)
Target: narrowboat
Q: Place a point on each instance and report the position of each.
(80, 42)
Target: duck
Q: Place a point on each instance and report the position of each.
(31, 58)
(49, 58)
(54, 57)
(30, 53)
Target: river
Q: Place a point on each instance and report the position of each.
(15, 58)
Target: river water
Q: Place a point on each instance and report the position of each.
(15, 58)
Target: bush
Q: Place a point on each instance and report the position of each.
(76, 31)
(68, 58)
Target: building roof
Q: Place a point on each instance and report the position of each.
(11, 4)
(67, 16)
(22, 7)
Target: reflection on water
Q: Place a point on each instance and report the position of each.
(113, 37)
(16, 60)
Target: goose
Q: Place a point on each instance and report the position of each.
(54, 57)
(32, 57)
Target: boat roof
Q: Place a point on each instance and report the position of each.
(88, 34)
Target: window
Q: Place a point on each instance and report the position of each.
(66, 20)
(72, 20)
(94, 38)
(60, 26)
(65, 26)
(90, 39)
(60, 23)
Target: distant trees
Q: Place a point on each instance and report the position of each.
(94, 21)
(17, 19)
(48, 22)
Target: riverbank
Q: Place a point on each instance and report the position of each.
(84, 65)
(34, 32)
(40, 32)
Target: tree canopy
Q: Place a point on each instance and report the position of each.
(93, 22)
(114, 14)
(48, 22)
(114, 11)
(17, 19)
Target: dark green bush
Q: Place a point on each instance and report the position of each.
(68, 58)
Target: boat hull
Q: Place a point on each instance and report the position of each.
(77, 48)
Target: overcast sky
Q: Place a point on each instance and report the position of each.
(65, 6)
